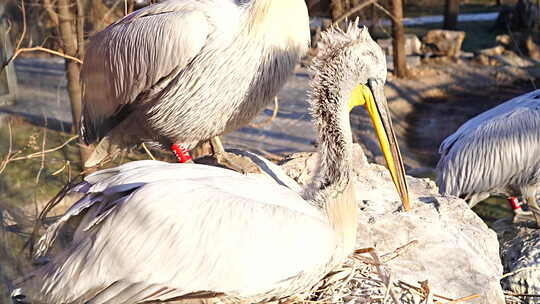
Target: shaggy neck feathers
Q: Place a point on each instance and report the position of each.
(332, 187)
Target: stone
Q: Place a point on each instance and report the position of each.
(412, 61)
(443, 42)
(453, 250)
(413, 45)
(520, 254)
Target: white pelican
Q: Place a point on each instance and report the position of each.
(155, 231)
(496, 152)
(183, 71)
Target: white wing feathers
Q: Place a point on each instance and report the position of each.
(132, 55)
(496, 148)
(181, 234)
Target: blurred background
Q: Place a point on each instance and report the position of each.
(448, 60)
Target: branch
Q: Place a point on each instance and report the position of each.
(41, 49)
(354, 10)
(23, 12)
(52, 14)
(10, 157)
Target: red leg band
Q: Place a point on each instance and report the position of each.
(514, 202)
(181, 153)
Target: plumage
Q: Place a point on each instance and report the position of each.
(154, 231)
(494, 151)
(183, 71)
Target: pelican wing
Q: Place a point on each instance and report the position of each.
(496, 148)
(180, 235)
(141, 53)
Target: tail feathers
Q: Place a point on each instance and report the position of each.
(105, 149)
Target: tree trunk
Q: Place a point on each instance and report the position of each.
(451, 11)
(68, 32)
(398, 34)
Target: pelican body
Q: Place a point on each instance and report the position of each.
(155, 231)
(495, 152)
(183, 71)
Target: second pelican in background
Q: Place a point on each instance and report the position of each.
(496, 152)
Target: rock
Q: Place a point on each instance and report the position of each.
(413, 45)
(494, 51)
(443, 42)
(412, 61)
(520, 254)
(453, 249)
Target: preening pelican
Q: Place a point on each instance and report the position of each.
(156, 231)
(183, 71)
(497, 151)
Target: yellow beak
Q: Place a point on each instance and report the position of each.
(372, 97)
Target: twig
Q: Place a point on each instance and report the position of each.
(420, 290)
(377, 5)
(42, 166)
(386, 280)
(392, 255)
(519, 270)
(269, 120)
(428, 296)
(41, 49)
(509, 293)
(461, 300)
(23, 12)
(9, 158)
(352, 11)
(66, 164)
(52, 14)
(148, 152)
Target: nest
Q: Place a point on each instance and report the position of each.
(365, 279)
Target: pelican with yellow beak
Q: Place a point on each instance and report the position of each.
(155, 231)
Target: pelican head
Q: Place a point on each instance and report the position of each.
(351, 68)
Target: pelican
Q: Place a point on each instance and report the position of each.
(183, 71)
(496, 152)
(155, 231)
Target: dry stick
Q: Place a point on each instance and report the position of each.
(23, 12)
(428, 296)
(389, 289)
(461, 300)
(42, 166)
(267, 122)
(377, 5)
(66, 164)
(355, 9)
(386, 280)
(419, 290)
(392, 255)
(41, 49)
(52, 14)
(9, 158)
(148, 152)
(519, 270)
(509, 293)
